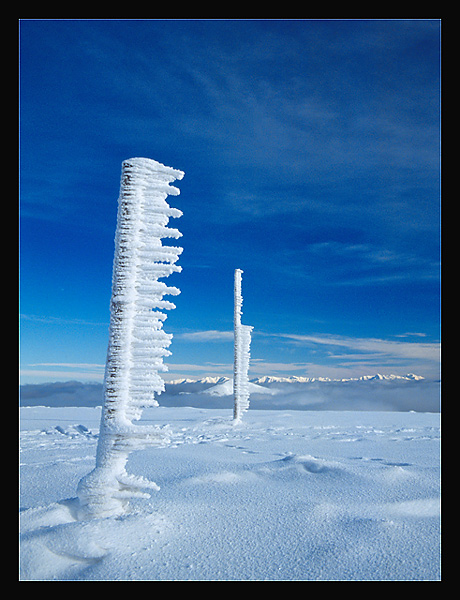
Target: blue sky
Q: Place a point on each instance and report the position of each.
(311, 158)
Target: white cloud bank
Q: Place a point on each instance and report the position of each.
(395, 395)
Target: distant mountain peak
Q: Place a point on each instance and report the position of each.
(296, 379)
(204, 380)
(269, 379)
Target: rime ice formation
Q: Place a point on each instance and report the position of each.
(242, 355)
(137, 342)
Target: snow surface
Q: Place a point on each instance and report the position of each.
(284, 495)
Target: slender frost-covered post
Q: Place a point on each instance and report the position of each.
(137, 342)
(242, 342)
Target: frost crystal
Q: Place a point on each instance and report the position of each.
(242, 342)
(137, 342)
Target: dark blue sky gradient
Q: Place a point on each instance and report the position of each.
(311, 158)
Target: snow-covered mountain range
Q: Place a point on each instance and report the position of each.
(295, 379)
(205, 380)
(369, 392)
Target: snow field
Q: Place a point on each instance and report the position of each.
(284, 495)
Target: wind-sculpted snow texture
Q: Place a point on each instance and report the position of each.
(288, 495)
(137, 342)
(242, 356)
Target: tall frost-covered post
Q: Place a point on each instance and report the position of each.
(242, 342)
(137, 342)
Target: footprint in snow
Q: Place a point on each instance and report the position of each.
(303, 464)
(74, 431)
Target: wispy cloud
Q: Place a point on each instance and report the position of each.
(327, 355)
(374, 347)
(208, 366)
(193, 370)
(346, 264)
(410, 334)
(261, 367)
(50, 320)
(55, 371)
(88, 366)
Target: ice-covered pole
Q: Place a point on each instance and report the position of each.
(137, 342)
(242, 341)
